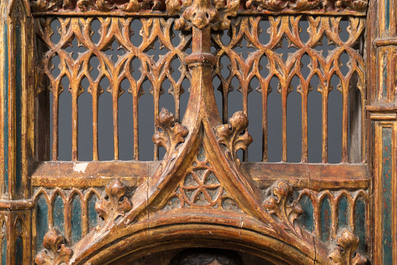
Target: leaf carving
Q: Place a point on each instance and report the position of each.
(347, 244)
(56, 251)
(114, 203)
(98, 5)
(234, 135)
(306, 5)
(201, 13)
(278, 205)
(171, 134)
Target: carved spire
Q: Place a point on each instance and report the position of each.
(172, 133)
(279, 206)
(114, 202)
(55, 250)
(234, 135)
(347, 244)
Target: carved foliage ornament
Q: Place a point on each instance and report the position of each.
(56, 251)
(171, 134)
(97, 5)
(347, 244)
(199, 12)
(280, 206)
(307, 5)
(234, 135)
(114, 203)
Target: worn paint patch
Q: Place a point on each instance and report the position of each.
(80, 167)
(76, 219)
(42, 221)
(343, 213)
(360, 224)
(387, 15)
(92, 214)
(4, 251)
(58, 214)
(306, 218)
(325, 219)
(384, 71)
(19, 251)
(386, 178)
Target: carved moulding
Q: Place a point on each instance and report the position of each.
(197, 12)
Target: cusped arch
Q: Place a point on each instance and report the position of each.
(191, 229)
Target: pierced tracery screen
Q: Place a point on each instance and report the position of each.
(273, 60)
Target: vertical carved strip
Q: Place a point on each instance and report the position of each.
(135, 100)
(19, 78)
(265, 94)
(386, 179)
(345, 122)
(5, 100)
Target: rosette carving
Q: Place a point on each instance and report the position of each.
(234, 135)
(201, 13)
(171, 134)
(347, 244)
(279, 205)
(114, 203)
(55, 250)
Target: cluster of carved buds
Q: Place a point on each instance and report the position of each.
(114, 203)
(201, 13)
(171, 134)
(98, 5)
(56, 251)
(347, 244)
(234, 135)
(279, 206)
(307, 5)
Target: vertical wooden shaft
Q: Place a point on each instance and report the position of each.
(17, 142)
(383, 122)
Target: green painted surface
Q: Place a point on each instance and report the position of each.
(58, 214)
(19, 251)
(76, 219)
(5, 96)
(360, 231)
(384, 71)
(306, 218)
(325, 219)
(18, 105)
(92, 214)
(4, 252)
(42, 221)
(387, 244)
(343, 213)
(387, 15)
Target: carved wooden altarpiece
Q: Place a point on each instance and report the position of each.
(202, 193)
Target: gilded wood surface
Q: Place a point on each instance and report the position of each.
(202, 192)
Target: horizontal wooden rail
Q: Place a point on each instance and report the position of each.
(97, 174)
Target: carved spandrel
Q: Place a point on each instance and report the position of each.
(56, 250)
